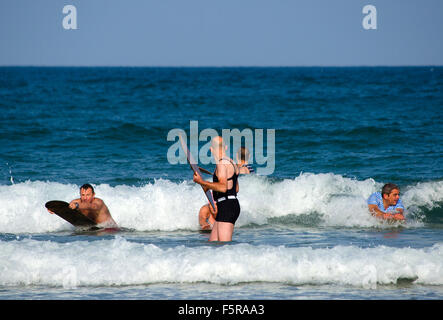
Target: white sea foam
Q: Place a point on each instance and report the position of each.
(166, 205)
(118, 261)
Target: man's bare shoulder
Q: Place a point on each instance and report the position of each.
(98, 201)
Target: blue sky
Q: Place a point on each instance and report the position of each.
(221, 33)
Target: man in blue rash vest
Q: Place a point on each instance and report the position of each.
(387, 204)
(225, 188)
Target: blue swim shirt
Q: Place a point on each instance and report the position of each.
(377, 199)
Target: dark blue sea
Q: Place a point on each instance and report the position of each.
(304, 232)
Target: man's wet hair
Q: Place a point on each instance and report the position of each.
(243, 153)
(87, 186)
(387, 188)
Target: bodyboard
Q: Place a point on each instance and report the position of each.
(74, 217)
(195, 168)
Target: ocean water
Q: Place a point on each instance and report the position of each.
(304, 231)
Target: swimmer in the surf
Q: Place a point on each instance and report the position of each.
(92, 207)
(225, 187)
(243, 161)
(387, 204)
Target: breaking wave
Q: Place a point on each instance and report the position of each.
(312, 199)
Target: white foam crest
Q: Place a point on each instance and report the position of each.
(163, 205)
(167, 206)
(339, 201)
(22, 206)
(122, 262)
(423, 194)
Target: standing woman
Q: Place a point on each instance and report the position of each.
(225, 188)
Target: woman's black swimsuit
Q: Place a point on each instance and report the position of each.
(227, 203)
